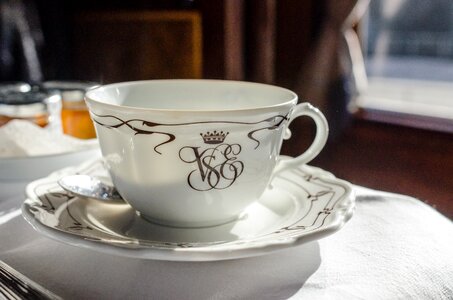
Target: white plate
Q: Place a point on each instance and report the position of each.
(34, 167)
(304, 204)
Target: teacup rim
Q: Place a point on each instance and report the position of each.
(89, 99)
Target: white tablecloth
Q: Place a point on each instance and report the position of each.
(394, 247)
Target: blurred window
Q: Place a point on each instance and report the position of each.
(408, 48)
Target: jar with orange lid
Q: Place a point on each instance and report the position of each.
(75, 118)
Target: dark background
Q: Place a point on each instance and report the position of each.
(264, 41)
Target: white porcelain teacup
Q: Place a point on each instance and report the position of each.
(194, 153)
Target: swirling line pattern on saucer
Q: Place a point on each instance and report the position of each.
(322, 215)
(276, 121)
(52, 200)
(296, 228)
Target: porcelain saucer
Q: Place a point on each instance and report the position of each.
(302, 204)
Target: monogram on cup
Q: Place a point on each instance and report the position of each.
(216, 164)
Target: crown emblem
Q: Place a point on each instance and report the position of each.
(214, 137)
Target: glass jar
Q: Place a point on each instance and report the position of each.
(75, 118)
(21, 101)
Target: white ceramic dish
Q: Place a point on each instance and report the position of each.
(34, 167)
(304, 204)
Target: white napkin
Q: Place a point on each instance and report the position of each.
(394, 247)
(20, 138)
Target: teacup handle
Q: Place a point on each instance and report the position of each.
(322, 132)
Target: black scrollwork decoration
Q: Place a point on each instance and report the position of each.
(130, 124)
(150, 127)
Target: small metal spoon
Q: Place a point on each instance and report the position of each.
(89, 187)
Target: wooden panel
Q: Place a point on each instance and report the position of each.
(260, 44)
(121, 46)
(222, 38)
(234, 32)
(393, 158)
(408, 120)
(295, 29)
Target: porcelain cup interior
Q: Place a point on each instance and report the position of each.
(190, 153)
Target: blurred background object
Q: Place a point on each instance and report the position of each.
(75, 118)
(333, 74)
(146, 44)
(409, 61)
(21, 40)
(380, 70)
(22, 101)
